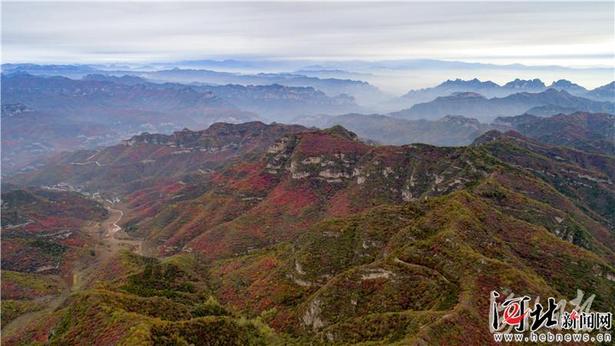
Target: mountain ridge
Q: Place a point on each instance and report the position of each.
(475, 105)
(490, 89)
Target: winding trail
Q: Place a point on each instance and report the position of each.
(114, 227)
(115, 237)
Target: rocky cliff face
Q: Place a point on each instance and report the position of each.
(330, 156)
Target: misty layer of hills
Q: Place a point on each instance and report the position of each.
(548, 102)
(450, 130)
(363, 91)
(51, 108)
(490, 89)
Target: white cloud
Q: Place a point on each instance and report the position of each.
(153, 31)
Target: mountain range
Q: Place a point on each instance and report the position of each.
(45, 115)
(278, 234)
(472, 104)
(65, 114)
(356, 81)
(271, 102)
(358, 89)
(331, 86)
(490, 89)
(42, 116)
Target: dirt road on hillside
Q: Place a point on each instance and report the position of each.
(109, 239)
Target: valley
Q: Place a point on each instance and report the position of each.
(108, 242)
(280, 234)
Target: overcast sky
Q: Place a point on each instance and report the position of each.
(569, 34)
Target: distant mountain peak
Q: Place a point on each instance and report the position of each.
(563, 83)
(525, 84)
(606, 86)
(339, 130)
(605, 92)
(471, 83)
(472, 104)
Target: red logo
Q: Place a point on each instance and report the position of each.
(512, 314)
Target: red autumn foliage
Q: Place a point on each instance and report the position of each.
(319, 143)
(339, 204)
(292, 199)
